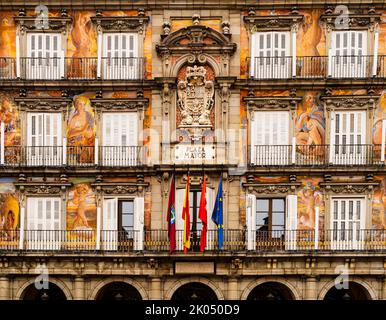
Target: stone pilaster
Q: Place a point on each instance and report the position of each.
(4, 288)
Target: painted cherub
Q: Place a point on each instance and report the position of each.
(311, 198)
(80, 195)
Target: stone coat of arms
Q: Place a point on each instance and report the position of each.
(195, 98)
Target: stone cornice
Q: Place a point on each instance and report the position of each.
(43, 104)
(58, 24)
(271, 102)
(353, 21)
(123, 104)
(121, 23)
(42, 188)
(350, 101)
(119, 188)
(272, 22)
(272, 188)
(349, 187)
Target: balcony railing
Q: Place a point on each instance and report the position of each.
(235, 240)
(73, 68)
(81, 156)
(317, 155)
(338, 67)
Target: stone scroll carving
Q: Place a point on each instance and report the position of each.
(195, 98)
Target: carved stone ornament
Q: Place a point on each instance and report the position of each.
(34, 188)
(271, 188)
(59, 24)
(121, 23)
(349, 101)
(350, 21)
(349, 187)
(195, 98)
(43, 104)
(272, 22)
(195, 38)
(120, 188)
(116, 104)
(258, 103)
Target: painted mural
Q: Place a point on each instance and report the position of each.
(81, 216)
(309, 197)
(9, 212)
(81, 131)
(379, 205)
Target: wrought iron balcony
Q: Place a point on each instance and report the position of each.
(317, 155)
(74, 68)
(235, 240)
(323, 67)
(78, 156)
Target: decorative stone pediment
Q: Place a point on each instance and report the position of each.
(270, 103)
(349, 187)
(196, 38)
(121, 23)
(350, 21)
(364, 102)
(36, 24)
(120, 104)
(257, 23)
(43, 104)
(271, 188)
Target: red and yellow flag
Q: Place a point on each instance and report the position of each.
(202, 214)
(186, 217)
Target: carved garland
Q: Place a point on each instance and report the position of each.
(60, 24)
(272, 188)
(257, 103)
(43, 104)
(257, 23)
(353, 21)
(120, 188)
(121, 23)
(114, 104)
(350, 102)
(349, 187)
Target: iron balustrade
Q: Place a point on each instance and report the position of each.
(337, 67)
(80, 156)
(235, 240)
(317, 155)
(74, 68)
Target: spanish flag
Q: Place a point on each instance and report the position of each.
(186, 217)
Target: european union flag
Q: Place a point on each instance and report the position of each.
(217, 215)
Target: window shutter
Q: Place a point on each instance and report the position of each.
(133, 129)
(212, 234)
(251, 221)
(291, 221)
(179, 221)
(110, 224)
(254, 53)
(139, 213)
(253, 137)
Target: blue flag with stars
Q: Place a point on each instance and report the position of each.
(217, 215)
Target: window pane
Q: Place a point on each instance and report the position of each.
(262, 219)
(278, 219)
(262, 204)
(127, 220)
(277, 204)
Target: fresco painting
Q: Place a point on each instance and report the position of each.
(9, 213)
(81, 130)
(378, 220)
(81, 216)
(309, 197)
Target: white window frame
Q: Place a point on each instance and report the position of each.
(271, 153)
(356, 154)
(268, 62)
(120, 153)
(357, 65)
(44, 151)
(115, 66)
(48, 236)
(110, 236)
(346, 240)
(50, 66)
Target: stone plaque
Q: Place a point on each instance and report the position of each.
(195, 152)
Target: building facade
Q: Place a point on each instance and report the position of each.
(101, 105)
